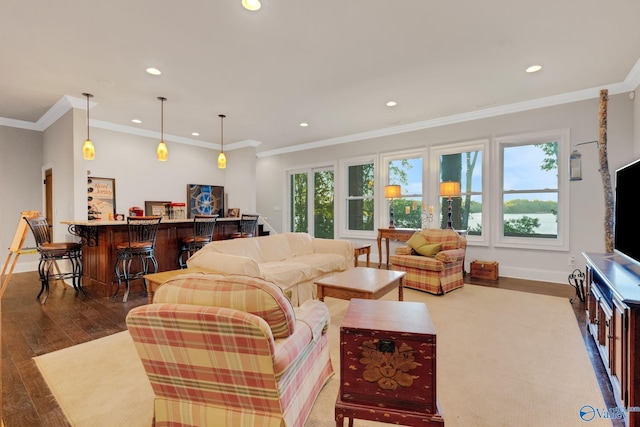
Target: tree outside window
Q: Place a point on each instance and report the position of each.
(360, 193)
(466, 168)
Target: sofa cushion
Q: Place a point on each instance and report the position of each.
(322, 264)
(248, 294)
(417, 261)
(286, 273)
(272, 248)
(224, 263)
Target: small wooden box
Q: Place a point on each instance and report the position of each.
(487, 270)
(388, 356)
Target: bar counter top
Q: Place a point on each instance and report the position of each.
(100, 222)
(100, 239)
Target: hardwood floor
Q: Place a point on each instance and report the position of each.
(30, 329)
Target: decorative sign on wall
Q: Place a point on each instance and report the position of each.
(205, 200)
(101, 198)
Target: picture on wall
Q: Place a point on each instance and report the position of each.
(205, 200)
(101, 198)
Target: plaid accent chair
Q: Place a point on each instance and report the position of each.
(231, 351)
(437, 274)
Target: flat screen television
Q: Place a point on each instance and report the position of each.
(626, 226)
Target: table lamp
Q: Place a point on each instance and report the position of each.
(392, 192)
(449, 189)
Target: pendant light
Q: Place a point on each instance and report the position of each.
(162, 151)
(222, 159)
(88, 150)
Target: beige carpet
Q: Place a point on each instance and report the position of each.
(504, 358)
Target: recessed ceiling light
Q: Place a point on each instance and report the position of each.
(251, 5)
(392, 104)
(153, 71)
(195, 134)
(138, 121)
(534, 68)
(304, 124)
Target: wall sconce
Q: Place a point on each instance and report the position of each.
(162, 152)
(392, 192)
(575, 162)
(449, 189)
(88, 150)
(427, 216)
(222, 159)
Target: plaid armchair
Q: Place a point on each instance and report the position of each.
(437, 274)
(231, 351)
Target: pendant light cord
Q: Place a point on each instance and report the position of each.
(222, 116)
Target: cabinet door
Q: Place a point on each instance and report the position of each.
(619, 350)
(604, 332)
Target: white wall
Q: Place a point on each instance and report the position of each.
(587, 199)
(20, 187)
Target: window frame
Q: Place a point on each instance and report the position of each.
(561, 243)
(310, 171)
(482, 145)
(385, 159)
(342, 192)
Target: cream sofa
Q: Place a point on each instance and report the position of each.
(293, 261)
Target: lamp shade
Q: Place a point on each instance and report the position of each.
(88, 150)
(392, 191)
(162, 152)
(449, 189)
(222, 161)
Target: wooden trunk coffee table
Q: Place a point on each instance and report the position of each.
(361, 282)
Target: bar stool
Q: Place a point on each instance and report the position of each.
(142, 231)
(203, 226)
(247, 228)
(50, 253)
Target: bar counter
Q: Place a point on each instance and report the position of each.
(100, 239)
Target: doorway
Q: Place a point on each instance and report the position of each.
(48, 199)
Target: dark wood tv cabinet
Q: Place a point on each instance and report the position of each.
(613, 319)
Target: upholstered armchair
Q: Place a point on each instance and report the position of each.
(433, 260)
(231, 351)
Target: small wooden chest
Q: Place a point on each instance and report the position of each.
(388, 356)
(487, 270)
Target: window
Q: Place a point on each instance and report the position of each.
(312, 190)
(464, 163)
(405, 170)
(359, 196)
(533, 205)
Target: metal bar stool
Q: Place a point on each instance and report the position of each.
(142, 231)
(203, 226)
(50, 253)
(247, 228)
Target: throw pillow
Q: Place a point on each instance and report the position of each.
(416, 240)
(421, 246)
(430, 249)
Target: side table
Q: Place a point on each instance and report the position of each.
(388, 364)
(361, 250)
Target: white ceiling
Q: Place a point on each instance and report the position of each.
(331, 63)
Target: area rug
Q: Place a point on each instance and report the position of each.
(504, 358)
